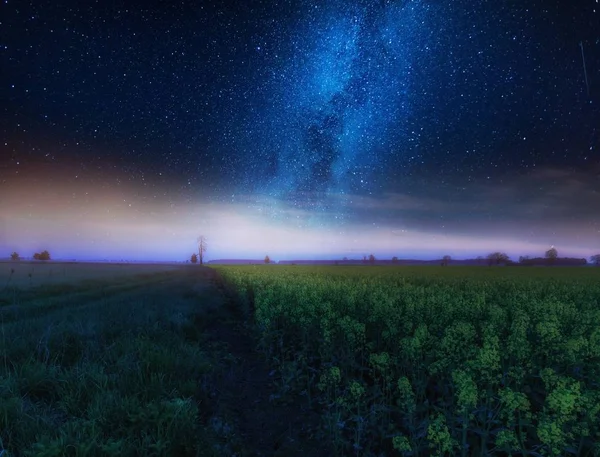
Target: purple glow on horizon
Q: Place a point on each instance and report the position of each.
(111, 225)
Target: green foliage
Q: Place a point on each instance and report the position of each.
(402, 444)
(466, 391)
(437, 361)
(438, 435)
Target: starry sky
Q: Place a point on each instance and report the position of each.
(299, 129)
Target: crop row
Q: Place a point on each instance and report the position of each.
(417, 362)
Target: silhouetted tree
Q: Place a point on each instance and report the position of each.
(267, 259)
(44, 255)
(446, 260)
(523, 259)
(364, 259)
(15, 256)
(194, 258)
(496, 258)
(201, 248)
(551, 255)
(394, 260)
(371, 259)
(596, 259)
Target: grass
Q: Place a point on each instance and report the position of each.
(111, 368)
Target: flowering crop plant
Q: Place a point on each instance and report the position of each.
(422, 361)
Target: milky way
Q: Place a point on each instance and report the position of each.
(364, 89)
(341, 100)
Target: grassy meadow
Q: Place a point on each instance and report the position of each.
(270, 360)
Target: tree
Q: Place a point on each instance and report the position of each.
(446, 260)
(395, 260)
(44, 255)
(194, 258)
(201, 248)
(371, 259)
(15, 256)
(523, 259)
(267, 259)
(596, 259)
(551, 255)
(479, 260)
(496, 258)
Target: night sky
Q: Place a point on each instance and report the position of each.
(299, 129)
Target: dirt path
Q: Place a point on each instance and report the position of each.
(247, 392)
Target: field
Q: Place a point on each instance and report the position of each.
(124, 360)
(434, 361)
(34, 274)
(295, 360)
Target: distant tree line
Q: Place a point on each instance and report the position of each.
(501, 258)
(44, 255)
(494, 258)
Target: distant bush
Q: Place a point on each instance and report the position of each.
(44, 255)
(15, 256)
